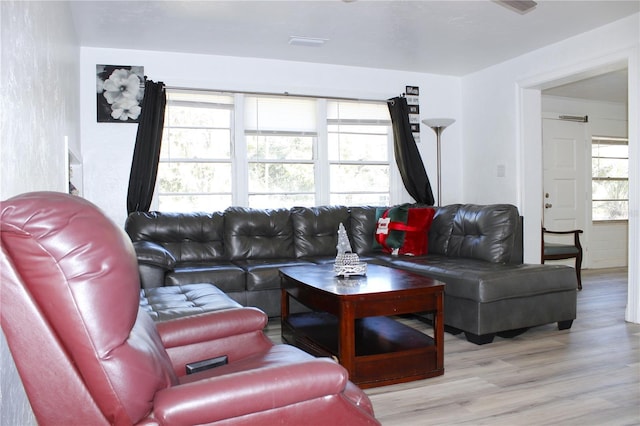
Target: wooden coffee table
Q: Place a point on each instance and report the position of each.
(354, 320)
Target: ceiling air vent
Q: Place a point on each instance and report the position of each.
(520, 6)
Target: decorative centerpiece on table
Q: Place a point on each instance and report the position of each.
(347, 263)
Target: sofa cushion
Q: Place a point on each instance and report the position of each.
(484, 232)
(362, 228)
(223, 274)
(315, 229)
(258, 233)
(264, 274)
(189, 237)
(441, 228)
(485, 282)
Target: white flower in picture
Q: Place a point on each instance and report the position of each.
(121, 84)
(125, 109)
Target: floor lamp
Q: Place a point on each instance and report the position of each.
(438, 125)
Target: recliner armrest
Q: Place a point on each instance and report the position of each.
(247, 392)
(153, 254)
(235, 333)
(210, 326)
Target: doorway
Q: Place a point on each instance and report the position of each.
(530, 137)
(571, 115)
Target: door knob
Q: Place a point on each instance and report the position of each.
(547, 205)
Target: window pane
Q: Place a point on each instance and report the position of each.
(196, 143)
(185, 116)
(194, 203)
(183, 177)
(359, 178)
(274, 147)
(281, 200)
(276, 113)
(349, 110)
(200, 97)
(379, 199)
(610, 189)
(611, 151)
(610, 210)
(610, 167)
(281, 177)
(358, 147)
(373, 129)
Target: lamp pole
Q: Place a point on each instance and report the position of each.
(438, 125)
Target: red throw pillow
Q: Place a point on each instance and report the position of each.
(404, 230)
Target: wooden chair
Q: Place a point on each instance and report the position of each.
(558, 251)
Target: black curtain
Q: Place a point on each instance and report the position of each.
(146, 154)
(414, 175)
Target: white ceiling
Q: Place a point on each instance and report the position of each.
(609, 87)
(440, 37)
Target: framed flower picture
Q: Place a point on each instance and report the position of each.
(120, 89)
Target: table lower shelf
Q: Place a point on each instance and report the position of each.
(387, 351)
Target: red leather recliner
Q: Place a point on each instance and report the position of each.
(88, 355)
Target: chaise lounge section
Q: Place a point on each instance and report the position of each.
(477, 251)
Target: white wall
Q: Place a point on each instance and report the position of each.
(39, 104)
(608, 245)
(501, 123)
(605, 118)
(492, 121)
(108, 148)
(39, 96)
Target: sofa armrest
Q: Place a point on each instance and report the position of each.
(244, 392)
(153, 254)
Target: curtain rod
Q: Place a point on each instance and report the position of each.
(293, 95)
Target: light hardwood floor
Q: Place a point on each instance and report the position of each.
(588, 375)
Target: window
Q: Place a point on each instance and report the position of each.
(610, 178)
(264, 151)
(359, 150)
(195, 169)
(281, 135)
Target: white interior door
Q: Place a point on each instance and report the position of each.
(564, 166)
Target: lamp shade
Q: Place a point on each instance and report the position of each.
(438, 125)
(438, 122)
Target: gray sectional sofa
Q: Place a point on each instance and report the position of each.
(476, 250)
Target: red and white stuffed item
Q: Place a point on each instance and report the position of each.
(404, 230)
